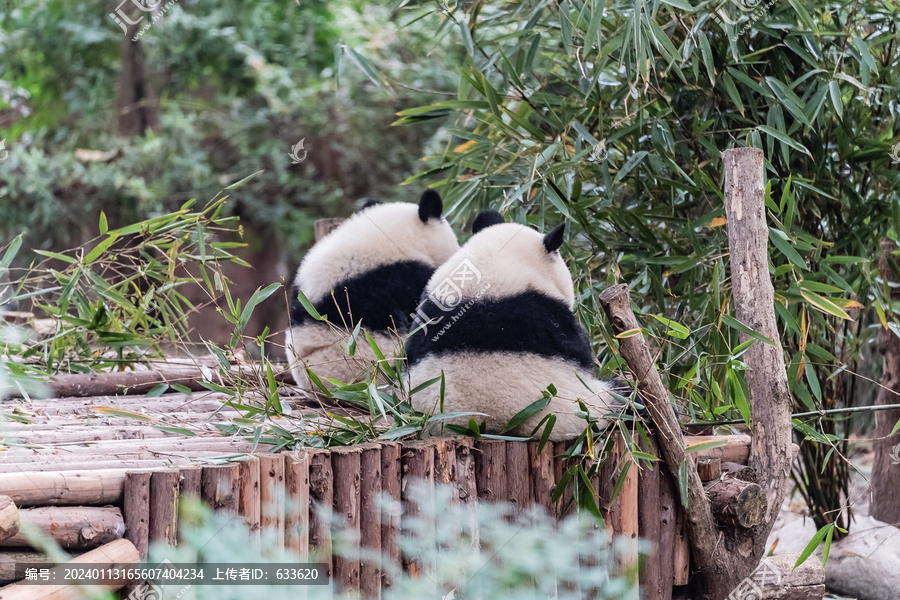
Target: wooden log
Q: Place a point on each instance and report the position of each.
(163, 525)
(219, 487)
(9, 518)
(62, 406)
(709, 554)
(391, 486)
(445, 464)
(518, 480)
(249, 497)
(190, 484)
(626, 508)
(668, 507)
(149, 448)
(490, 470)
(777, 579)
(136, 511)
(541, 471)
(736, 450)
(72, 527)
(370, 519)
(10, 558)
(736, 471)
(72, 434)
(323, 227)
(27, 488)
(345, 463)
(709, 468)
(417, 494)
(682, 555)
(271, 495)
(650, 525)
(736, 503)
(115, 554)
(321, 498)
(467, 489)
(83, 467)
(770, 396)
(296, 522)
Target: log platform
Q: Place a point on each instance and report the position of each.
(97, 472)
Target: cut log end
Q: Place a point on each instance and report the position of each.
(736, 502)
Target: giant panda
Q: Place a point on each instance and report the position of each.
(497, 318)
(372, 269)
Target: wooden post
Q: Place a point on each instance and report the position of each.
(668, 505)
(370, 520)
(518, 481)
(219, 487)
(9, 518)
(248, 497)
(650, 524)
(709, 468)
(271, 496)
(628, 512)
(417, 493)
(189, 486)
(296, 523)
(490, 470)
(346, 465)
(391, 486)
(163, 507)
(136, 511)
(321, 499)
(564, 505)
(467, 488)
(770, 396)
(542, 477)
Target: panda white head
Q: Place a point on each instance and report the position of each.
(510, 259)
(376, 236)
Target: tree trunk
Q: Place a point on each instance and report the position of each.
(137, 104)
(886, 468)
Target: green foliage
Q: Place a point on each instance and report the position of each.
(613, 116)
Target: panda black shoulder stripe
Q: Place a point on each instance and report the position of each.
(382, 298)
(530, 322)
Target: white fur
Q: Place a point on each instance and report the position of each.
(502, 384)
(511, 259)
(321, 348)
(375, 237)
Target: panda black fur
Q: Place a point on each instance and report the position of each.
(372, 268)
(502, 329)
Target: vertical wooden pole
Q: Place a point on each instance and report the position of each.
(249, 505)
(345, 463)
(467, 488)
(271, 495)
(163, 507)
(518, 480)
(490, 470)
(649, 524)
(189, 486)
(682, 554)
(628, 501)
(542, 475)
(370, 520)
(136, 511)
(391, 485)
(417, 492)
(296, 524)
(219, 487)
(668, 505)
(321, 499)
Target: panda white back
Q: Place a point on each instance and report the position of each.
(372, 268)
(501, 328)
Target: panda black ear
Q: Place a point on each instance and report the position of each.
(370, 203)
(486, 219)
(430, 205)
(554, 239)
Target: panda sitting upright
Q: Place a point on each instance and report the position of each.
(372, 268)
(497, 320)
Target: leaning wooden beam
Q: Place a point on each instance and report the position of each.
(9, 518)
(616, 303)
(770, 396)
(72, 527)
(115, 554)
